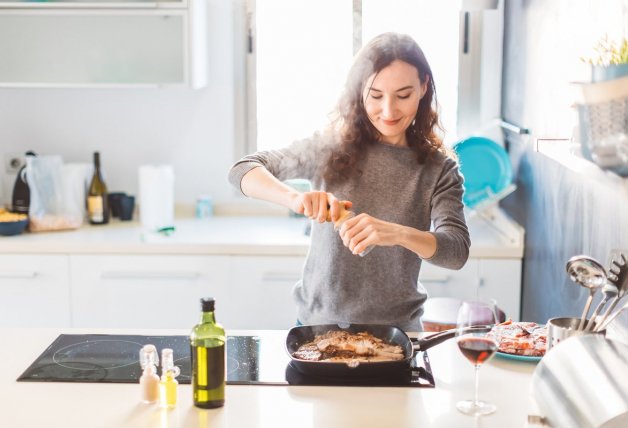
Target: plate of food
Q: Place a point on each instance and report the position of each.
(518, 357)
(521, 341)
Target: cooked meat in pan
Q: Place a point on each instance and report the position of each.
(342, 346)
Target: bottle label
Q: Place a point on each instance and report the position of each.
(95, 208)
(208, 374)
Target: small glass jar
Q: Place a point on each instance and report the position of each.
(204, 207)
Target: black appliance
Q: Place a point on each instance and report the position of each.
(21, 198)
(251, 360)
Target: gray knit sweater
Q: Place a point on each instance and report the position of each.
(381, 287)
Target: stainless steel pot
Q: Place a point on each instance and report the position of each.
(582, 383)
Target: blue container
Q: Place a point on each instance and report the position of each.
(602, 73)
(11, 228)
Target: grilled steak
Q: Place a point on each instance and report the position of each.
(341, 346)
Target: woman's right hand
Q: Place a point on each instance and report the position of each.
(318, 205)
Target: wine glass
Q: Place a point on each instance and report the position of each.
(474, 323)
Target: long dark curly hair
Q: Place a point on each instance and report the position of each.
(355, 130)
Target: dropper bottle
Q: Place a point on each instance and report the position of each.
(149, 381)
(168, 383)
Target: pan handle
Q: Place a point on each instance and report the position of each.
(437, 338)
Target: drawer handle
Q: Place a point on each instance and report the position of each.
(281, 277)
(435, 279)
(152, 5)
(149, 275)
(18, 274)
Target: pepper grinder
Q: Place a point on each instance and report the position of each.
(345, 215)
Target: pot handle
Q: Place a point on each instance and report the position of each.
(437, 338)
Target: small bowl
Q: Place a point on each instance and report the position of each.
(10, 228)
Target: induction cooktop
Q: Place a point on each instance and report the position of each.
(251, 360)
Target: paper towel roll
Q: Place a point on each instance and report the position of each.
(156, 196)
(76, 181)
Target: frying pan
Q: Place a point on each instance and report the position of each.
(392, 335)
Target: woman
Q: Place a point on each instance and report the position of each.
(382, 158)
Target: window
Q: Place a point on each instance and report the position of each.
(434, 25)
(302, 51)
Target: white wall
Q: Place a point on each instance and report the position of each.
(194, 130)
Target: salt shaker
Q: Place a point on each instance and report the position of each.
(149, 381)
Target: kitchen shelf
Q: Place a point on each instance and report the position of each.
(106, 4)
(568, 153)
(108, 44)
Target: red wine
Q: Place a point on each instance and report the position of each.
(477, 349)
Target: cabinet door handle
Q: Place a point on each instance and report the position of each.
(436, 279)
(281, 277)
(139, 275)
(138, 5)
(18, 274)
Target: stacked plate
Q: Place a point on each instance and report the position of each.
(486, 168)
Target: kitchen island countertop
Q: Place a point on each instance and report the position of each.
(69, 405)
(231, 235)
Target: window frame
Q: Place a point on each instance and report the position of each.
(479, 71)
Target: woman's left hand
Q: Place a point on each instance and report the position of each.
(362, 231)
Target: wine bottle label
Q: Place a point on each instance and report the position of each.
(95, 208)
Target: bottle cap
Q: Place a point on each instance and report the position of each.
(148, 356)
(207, 304)
(167, 363)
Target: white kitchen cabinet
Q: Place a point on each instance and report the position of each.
(146, 291)
(34, 291)
(103, 44)
(262, 286)
(499, 279)
(441, 282)
(96, 277)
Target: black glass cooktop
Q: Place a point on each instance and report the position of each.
(251, 360)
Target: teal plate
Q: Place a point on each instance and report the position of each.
(486, 168)
(518, 357)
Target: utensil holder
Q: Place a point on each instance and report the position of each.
(559, 329)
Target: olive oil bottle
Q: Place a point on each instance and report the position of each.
(207, 343)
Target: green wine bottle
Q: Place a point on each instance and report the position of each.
(207, 343)
(97, 204)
